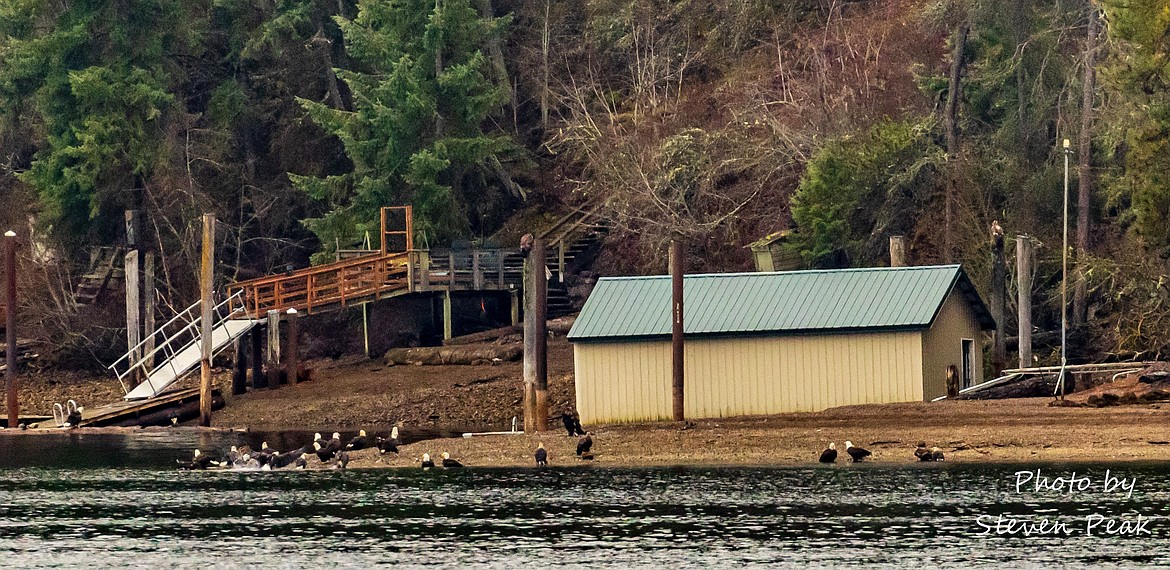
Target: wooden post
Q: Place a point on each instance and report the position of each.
(133, 320)
(540, 333)
(273, 359)
(529, 342)
(451, 271)
(447, 328)
(424, 269)
(500, 269)
(10, 329)
(676, 331)
(258, 380)
(292, 352)
(240, 371)
(207, 302)
(476, 271)
(897, 251)
(1024, 280)
(514, 301)
(998, 299)
(148, 300)
(561, 261)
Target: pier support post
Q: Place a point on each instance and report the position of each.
(133, 279)
(273, 359)
(240, 370)
(10, 385)
(148, 311)
(447, 328)
(207, 302)
(514, 301)
(258, 380)
(292, 350)
(1024, 281)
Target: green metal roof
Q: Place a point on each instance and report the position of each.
(824, 301)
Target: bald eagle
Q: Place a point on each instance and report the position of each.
(996, 235)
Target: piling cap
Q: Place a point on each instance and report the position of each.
(9, 233)
(292, 311)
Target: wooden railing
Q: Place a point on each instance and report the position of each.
(328, 286)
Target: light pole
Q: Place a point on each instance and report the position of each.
(1064, 283)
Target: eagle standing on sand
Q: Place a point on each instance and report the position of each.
(856, 453)
(541, 455)
(584, 446)
(922, 453)
(829, 455)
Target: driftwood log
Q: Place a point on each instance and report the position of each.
(436, 355)
(1030, 387)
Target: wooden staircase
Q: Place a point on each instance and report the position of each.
(104, 268)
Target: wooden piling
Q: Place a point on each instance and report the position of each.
(897, 251)
(240, 370)
(514, 302)
(292, 353)
(148, 300)
(273, 359)
(529, 369)
(540, 334)
(676, 332)
(998, 300)
(448, 328)
(133, 315)
(1024, 257)
(207, 302)
(11, 388)
(258, 379)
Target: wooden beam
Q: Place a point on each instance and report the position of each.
(292, 352)
(998, 301)
(10, 381)
(258, 379)
(676, 334)
(148, 310)
(273, 358)
(240, 370)
(897, 251)
(447, 327)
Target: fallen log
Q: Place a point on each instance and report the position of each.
(485, 336)
(439, 355)
(1029, 387)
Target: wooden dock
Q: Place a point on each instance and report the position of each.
(180, 404)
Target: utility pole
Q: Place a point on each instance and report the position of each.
(10, 328)
(540, 332)
(998, 298)
(1064, 283)
(207, 302)
(676, 332)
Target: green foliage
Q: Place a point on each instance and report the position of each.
(842, 196)
(93, 77)
(416, 133)
(1139, 75)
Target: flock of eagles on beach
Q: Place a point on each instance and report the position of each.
(334, 452)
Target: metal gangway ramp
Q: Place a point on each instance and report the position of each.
(178, 347)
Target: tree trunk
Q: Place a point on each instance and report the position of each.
(952, 138)
(544, 48)
(1085, 159)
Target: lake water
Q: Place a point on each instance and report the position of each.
(114, 501)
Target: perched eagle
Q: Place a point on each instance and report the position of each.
(996, 235)
(526, 244)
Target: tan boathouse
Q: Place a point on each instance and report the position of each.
(768, 343)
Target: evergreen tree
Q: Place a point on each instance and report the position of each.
(415, 134)
(91, 77)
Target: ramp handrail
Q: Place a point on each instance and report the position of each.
(192, 316)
